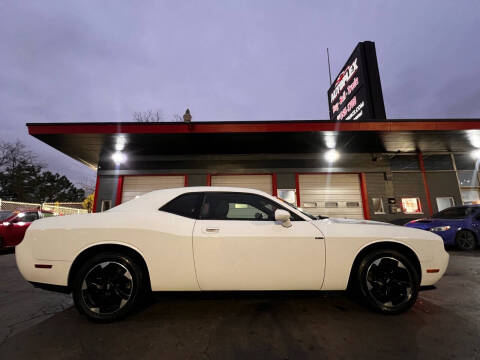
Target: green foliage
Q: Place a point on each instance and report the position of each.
(23, 178)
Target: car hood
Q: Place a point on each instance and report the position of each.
(352, 221)
(425, 223)
(338, 227)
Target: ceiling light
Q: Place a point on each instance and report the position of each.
(331, 155)
(475, 154)
(120, 144)
(119, 157)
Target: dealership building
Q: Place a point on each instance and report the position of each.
(388, 170)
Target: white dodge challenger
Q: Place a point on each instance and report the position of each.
(222, 238)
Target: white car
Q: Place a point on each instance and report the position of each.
(222, 238)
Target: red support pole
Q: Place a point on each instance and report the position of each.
(95, 196)
(274, 184)
(425, 182)
(297, 189)
(363, 189)
(118, 199)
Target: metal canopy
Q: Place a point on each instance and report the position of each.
(88, 142)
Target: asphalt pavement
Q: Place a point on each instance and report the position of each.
(444, 324)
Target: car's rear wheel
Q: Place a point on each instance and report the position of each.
(108, 286)
(387, 281)
(465, 240)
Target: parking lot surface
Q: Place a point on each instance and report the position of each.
(444, 324)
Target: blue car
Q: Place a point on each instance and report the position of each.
(459, 225)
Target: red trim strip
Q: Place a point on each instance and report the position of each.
(185, 183)
(425, 183)
(95, 196)
(248, 127)
(274, 184)
(118, 199)
(209, 180)
(297, 189)
(363, 188)
(155, 175)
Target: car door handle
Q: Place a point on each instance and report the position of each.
(211, 229)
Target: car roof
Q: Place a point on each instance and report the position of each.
(157, 198)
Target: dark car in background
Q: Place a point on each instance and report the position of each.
(458, 225)
(13, 225)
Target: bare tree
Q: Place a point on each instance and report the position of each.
(87, 184)
(177, 118)
(155, 116)
(149, 116)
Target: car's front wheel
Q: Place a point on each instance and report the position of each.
(465, 240)
(387, 281)
(108, 286)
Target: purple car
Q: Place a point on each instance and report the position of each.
(459, 225)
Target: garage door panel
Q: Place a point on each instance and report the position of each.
(323, 192)
(258, 182)
(138, 185)
(335, 195)
(332, 197)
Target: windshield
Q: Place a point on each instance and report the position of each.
(4, 215)
(460, 212)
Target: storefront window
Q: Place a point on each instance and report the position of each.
(106, 205)
(411, 206)
(444, 202)
(468, 178)
(377, 204)
(464, 162)
(287, 195)
(470, 196)
(437, 162)
(404, 163)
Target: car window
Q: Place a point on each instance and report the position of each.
(47, 214)
(240, 206)
(27, 217)
(453, 213)
(184, 205)
(4, 215)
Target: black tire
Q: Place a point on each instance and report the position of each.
(465, 240)
(386, 281)
(108, 286)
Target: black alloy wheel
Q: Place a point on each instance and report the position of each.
(108, 286)
(465, 240)
(387, 281)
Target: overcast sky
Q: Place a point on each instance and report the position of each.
(64, 61)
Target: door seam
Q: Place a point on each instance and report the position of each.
(193, 256)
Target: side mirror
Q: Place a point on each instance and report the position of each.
(283, 217)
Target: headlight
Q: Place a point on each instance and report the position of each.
(440, 228)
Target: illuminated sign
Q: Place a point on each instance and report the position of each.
(356, 93)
